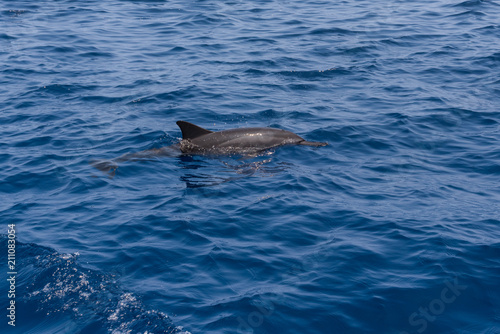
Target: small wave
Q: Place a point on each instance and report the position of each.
(7, 37)
(315, 74)
(56, 285)
(469, 3)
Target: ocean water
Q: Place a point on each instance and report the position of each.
(394, 227)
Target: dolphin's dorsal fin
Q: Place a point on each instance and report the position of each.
(191, 131)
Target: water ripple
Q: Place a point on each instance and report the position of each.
(355, 237)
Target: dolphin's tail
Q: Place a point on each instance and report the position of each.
(312, 143)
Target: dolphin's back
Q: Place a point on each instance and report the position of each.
(257, 138)
(197, 139)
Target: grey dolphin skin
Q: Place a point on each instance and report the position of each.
(242, 140)
(196, 140)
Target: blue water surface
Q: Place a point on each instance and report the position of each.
(394, 227)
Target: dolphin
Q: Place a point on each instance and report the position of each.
(197, 140)
(241, 140)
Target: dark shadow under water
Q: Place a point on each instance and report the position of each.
(234, 166)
